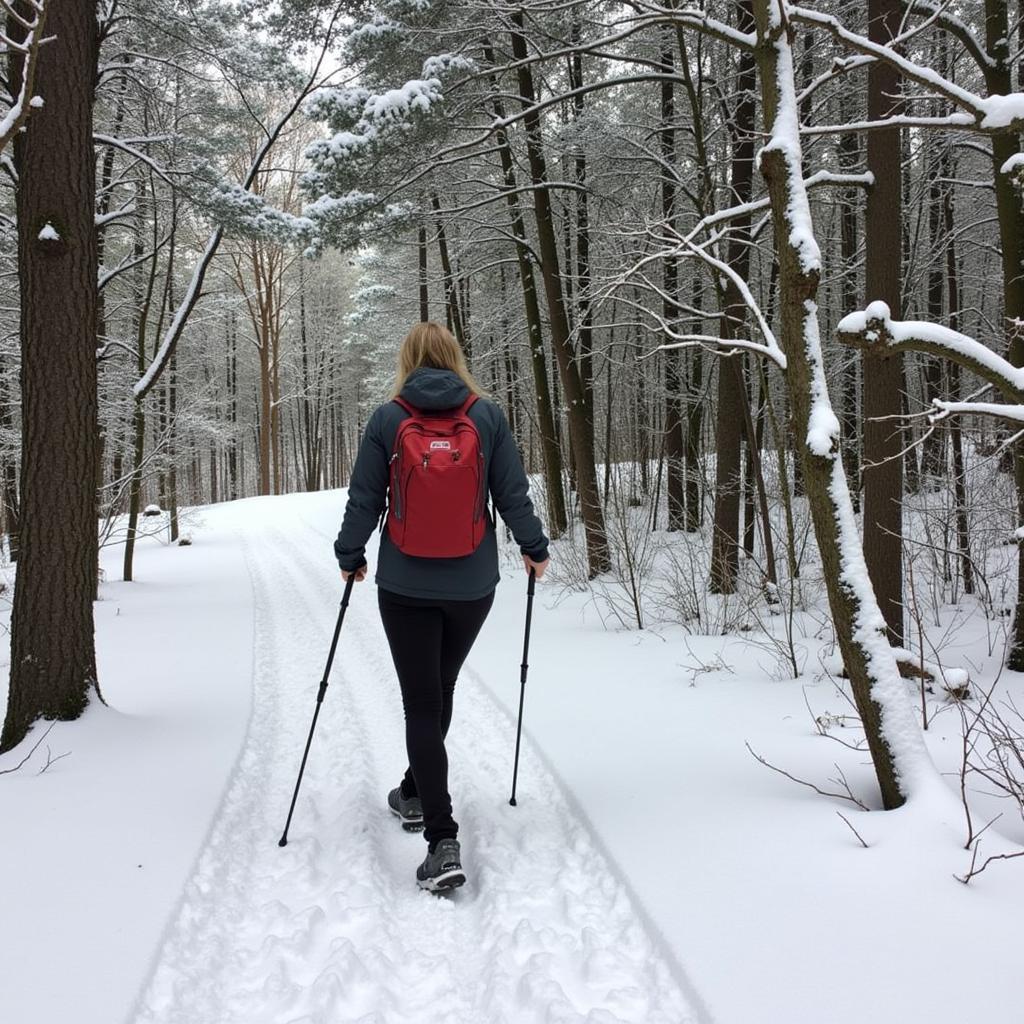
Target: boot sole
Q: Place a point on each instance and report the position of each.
(444, 882)
(409, 824)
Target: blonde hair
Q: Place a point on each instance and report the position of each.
(430, 344)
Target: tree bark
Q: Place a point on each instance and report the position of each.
(453, 313)
(999, 81)
(963, 531)
(674, 440)
(580, 423)
(551, 452)
(883, 373)
(849, 155)
(53, 658)
(421, 248)
(729, 417)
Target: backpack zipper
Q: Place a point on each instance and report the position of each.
(481, 490)
(396, 485)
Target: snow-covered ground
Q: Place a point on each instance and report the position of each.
(652, 872)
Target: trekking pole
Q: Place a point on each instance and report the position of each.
(319, 701)
(522, 677)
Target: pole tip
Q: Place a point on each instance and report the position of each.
(512, 802)
(283, 841)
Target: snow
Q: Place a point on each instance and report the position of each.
(443, 63)
(377, 28)
(133, 801)
(785, 139)
(49, 234)
(653, 871)
(37, 103)
(394, 104)
(877, 310)
(1014, 165)
(1001, 410)
(1002, 111)
(359, 117)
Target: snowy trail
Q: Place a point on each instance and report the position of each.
(332, 928)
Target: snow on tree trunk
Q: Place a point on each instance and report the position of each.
(901, 760)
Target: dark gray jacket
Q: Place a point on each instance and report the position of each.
(466, 578)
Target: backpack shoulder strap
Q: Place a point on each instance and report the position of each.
(410, 409)
(467, 404)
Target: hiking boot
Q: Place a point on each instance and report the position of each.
(442, 869)
(409, 809)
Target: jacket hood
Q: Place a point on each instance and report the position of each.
(430, 388)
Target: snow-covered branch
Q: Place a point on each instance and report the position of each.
(943, 409)
(945, 19)
(875, 328)
(987, 113)
(195, 286)
(28, 20)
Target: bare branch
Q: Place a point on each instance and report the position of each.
(848, 795)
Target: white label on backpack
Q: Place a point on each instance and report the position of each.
(444, 445)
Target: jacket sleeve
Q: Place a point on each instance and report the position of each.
(367, 495)
(510, 490)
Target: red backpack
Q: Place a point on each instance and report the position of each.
(437, 488)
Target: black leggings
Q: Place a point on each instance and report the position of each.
(429, 641)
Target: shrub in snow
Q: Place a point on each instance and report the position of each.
(152, 510)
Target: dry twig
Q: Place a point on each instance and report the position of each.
(848, 795)
(852, 829)
(22, 762)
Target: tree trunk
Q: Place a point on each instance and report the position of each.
(999, 81)
(12, 508)
(883, 374)
(673, 359)
(453, 313)
(546, 422)
(933, 447)
(421, 248)
(692, 475)
(878, 690)
(580, 425)
(731, 392)
(849, 154)
(233, 491)
(963, 531)
(143, 301)
(53, 657)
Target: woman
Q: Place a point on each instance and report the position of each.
(433, 607)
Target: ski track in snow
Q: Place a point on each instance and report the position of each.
(332, 928)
